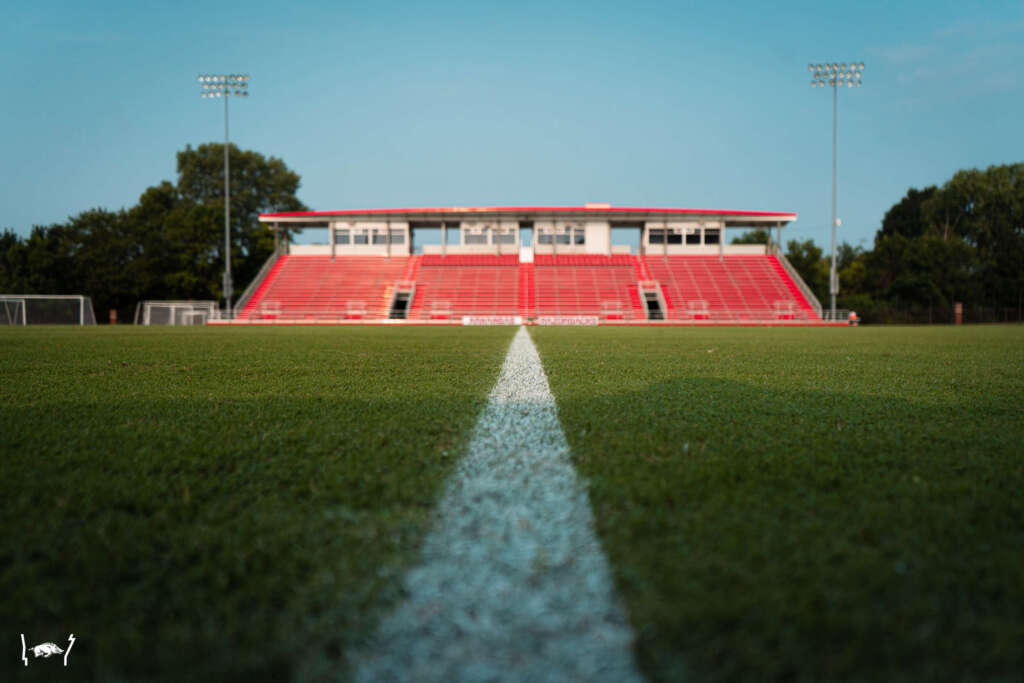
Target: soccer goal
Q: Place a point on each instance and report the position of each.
(46, 309)
(176, 312)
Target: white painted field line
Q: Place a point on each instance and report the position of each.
(512, 584)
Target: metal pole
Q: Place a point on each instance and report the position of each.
(835, 75)
(833, 276)
(227, 217)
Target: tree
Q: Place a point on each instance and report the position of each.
(168, 246)
(807, 259)
(13, 263)
(258, 185)
(963, 241)
(907, 217)
(100, 264)
(759, 236)
(850, 262)
(986, 210)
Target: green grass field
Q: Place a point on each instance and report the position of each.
(776, 504)
(792, 504)
(212, 504)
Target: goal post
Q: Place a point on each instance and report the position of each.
(176, 312)
(46, 309)
(12, 311)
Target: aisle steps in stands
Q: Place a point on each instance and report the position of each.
(733, 289)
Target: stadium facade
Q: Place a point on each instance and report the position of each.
(591, 264)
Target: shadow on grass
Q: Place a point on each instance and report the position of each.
(254, 540)
(783, 535)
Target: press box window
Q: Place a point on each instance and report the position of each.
(693, 237)
(475, 237)
(712, 236)
(397, 236)
(663, 236)
(505, 237)
(342, 236)
(360, 237)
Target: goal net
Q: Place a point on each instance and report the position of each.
(46, 309)
(176, 312)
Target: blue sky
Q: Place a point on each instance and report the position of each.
(387, 104)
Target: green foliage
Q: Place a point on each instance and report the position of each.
(806, 257)
(986, 209)
(258, 185)
(906, 218)
(170, 245)
(805, 504)
(223, 504)
(752, 237)
(962, 242)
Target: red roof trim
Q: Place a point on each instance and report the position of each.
(528, 209)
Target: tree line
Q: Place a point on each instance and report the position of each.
(170, 245)
(962, 242)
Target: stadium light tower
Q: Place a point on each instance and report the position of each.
(837, 75)
(224, 86)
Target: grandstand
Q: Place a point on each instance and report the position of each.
(593, 264)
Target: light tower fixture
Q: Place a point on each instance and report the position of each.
(225, 86)
(836, 75)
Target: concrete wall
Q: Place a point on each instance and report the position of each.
(673, 249)
(370, 249)
(708, 250)
(597, 239)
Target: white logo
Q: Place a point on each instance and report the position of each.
(46, 650)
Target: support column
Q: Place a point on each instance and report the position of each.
(444, 238)
(664, 240)
(330, 233)
(721, 242)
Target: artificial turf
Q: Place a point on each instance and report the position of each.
(806, 504)
(221, 504)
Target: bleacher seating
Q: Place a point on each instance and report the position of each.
(469, 260)
(739, 288)
(584, 260)
(697, 288)
(449, 287)
(318, 288)
(587, 285)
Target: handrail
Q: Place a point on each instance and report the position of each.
(775, 251)
(251, 289)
